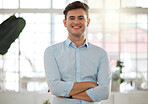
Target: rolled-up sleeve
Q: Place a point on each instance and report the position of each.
(53, 77)
(102, 91)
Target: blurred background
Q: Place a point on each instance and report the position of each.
(118, 26)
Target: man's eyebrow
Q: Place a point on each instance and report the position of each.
(71, 16)
(81, 16)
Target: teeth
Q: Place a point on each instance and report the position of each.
(76, 27)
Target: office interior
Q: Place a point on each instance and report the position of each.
(118, 26)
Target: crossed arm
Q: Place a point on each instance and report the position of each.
(78, 90)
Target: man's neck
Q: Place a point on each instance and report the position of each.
(79, 41)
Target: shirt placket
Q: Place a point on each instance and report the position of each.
(77, 64)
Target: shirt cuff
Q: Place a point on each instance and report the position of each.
(68, 87)
(92, 95)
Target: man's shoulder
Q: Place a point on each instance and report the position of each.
(95, 47)
(56, 46)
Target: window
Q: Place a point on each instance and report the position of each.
(35, 4)
(9, 4)
(33, 41)
(123, 32)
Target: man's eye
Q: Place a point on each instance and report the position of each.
(72, 18)
(80, 18)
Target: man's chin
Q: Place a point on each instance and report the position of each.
(76, 35)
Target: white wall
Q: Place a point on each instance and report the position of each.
(138, 97)
(23, 98)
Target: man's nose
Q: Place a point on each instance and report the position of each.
(76, 21)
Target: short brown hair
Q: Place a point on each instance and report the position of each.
(76, 5)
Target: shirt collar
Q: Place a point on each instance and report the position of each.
(69, 42)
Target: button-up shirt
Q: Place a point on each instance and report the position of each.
(65, 63)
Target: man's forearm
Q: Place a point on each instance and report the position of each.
(82, 96)
(81, 87)
(78, 90)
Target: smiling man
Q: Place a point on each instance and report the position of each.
(77, 72)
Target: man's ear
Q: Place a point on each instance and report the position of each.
(64, 22)
(88, 21)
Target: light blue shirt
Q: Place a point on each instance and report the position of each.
(65, 63)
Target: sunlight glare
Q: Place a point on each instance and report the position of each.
(111, 16)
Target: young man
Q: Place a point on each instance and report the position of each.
(77, 72)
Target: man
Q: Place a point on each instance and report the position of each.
(77, 72)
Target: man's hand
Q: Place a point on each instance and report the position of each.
(92, 84)
(82, 96)
(81, 86)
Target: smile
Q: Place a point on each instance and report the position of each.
(76, 27)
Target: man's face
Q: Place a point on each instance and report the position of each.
(76, 22)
